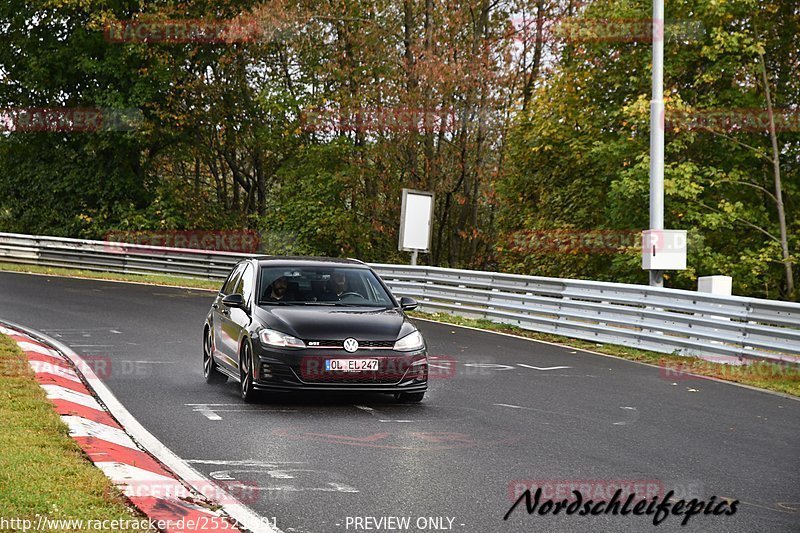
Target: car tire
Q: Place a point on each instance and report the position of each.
(246, 387)
(409, 397)
(210, 372)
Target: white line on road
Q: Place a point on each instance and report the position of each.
(635, 418)
(210, 410)
(253, 462)
(208, 413)
(255, 410)
(92, 345)
(511, 406)
(211, 404)
(147, 362)
(544, 367)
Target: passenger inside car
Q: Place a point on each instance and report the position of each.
(280, 290)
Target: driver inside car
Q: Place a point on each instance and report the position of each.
(337, 286)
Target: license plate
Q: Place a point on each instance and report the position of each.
(350, 365)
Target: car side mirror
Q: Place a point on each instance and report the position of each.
(408, 304)
(234, 300)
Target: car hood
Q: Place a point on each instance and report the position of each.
(336, 323)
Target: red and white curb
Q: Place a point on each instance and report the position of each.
(151, 476)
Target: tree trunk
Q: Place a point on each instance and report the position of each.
(776, 170)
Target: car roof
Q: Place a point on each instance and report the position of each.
(308, 261)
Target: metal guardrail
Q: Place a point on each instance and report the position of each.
(663, 320)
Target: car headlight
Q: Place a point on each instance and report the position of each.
(270, 337)
(413, 341)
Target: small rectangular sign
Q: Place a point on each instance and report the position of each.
(416, 220)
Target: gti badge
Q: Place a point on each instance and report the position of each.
(350, 344)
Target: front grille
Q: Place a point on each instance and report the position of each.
(353, 377)
(324, 344)
(338, 345)
(376, 344)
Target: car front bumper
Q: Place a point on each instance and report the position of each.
(286, 370)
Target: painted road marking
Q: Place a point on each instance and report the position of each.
(246, 462)
(635, 416)
(92, 345)
(293, 474)
(544, 367)
(210, 410)
(38, 348)
(208, 413)
(147, 362)
(81, 427)
(40, 367)
(57, 392)
(511, 406)
(334, 487)
(277, 470)
(498, 366)
(135, 479)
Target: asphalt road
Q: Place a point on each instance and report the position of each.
(503, 414)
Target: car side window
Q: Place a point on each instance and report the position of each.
(233, 280)
(245, 285)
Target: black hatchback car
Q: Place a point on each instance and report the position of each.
(283, 324)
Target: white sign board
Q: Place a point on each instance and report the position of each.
(416, 221)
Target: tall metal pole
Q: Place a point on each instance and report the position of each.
(657, 132)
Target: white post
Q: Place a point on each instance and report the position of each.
(721, 285)
(657, 132)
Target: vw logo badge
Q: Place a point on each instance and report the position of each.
(350, 344)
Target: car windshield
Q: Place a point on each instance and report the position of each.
(339, 286)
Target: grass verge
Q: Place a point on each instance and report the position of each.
(764, 375)
(770, 376)
(43, 472)
(153, 279)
